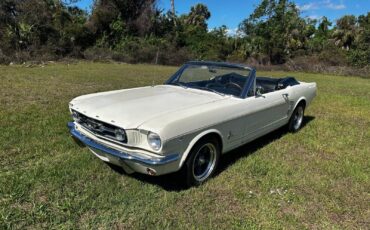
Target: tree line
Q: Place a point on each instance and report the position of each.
(138, 31)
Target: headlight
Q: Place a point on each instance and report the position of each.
(75, 116)
(120, 134)
(154, 141)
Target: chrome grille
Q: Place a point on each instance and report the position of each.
(135, 138)
(98, 127)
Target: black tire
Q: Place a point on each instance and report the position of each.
(296, 119)
(195, 172)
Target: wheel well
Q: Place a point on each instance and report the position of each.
(302, 102)
(215, 136)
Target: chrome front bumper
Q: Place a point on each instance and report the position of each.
(129, 161)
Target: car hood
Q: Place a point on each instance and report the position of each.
(129, 108)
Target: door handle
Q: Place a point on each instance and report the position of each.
(285, 95)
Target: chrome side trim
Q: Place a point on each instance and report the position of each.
(121, 155)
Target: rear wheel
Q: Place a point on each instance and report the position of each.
(202, 162)
(296, 120)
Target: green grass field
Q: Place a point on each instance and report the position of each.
(317, 178)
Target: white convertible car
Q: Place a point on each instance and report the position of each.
(205, 109)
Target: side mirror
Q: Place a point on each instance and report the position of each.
(280, 86)
(259, 90)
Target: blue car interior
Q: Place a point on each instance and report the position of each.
(233, 84)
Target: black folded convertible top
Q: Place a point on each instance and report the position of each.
(270, 84)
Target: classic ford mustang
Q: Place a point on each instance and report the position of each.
(205, 109)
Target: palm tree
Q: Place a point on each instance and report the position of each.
(345, 31)
(173, 11)
(173, 7)
(198, 16)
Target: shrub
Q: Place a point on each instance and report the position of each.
(333, 56)
(3, 58)
(96, 53)
(359, 58)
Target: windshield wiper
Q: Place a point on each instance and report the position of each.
(208, 89)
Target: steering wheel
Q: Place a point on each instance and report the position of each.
(232, 84)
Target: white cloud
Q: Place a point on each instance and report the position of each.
(336, 6)
(309, 6)
(232, 32)
(314, 17)
(328, 4)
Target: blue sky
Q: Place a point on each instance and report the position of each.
(232, 12)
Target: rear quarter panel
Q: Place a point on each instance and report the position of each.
(306, 91)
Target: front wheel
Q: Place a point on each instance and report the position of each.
(202, 162)
(296, 120)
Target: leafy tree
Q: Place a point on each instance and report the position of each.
(55, 27)
(275, 28)
(137, 31)
(345, 31)
(323, 30)
(359, 55)
(192, 32)
(321, 37)
(136, 15)
(198, 16)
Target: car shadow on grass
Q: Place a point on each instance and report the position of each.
(173, 182)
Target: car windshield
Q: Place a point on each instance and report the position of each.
(224, 80)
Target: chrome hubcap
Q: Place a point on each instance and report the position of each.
(298, 118)
(204, 162)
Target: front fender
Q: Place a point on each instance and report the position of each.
(196, 139)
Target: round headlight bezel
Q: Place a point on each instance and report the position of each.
(76, 116)
(121, 132)
(154, 141)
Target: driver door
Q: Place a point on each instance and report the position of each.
(268, 112)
